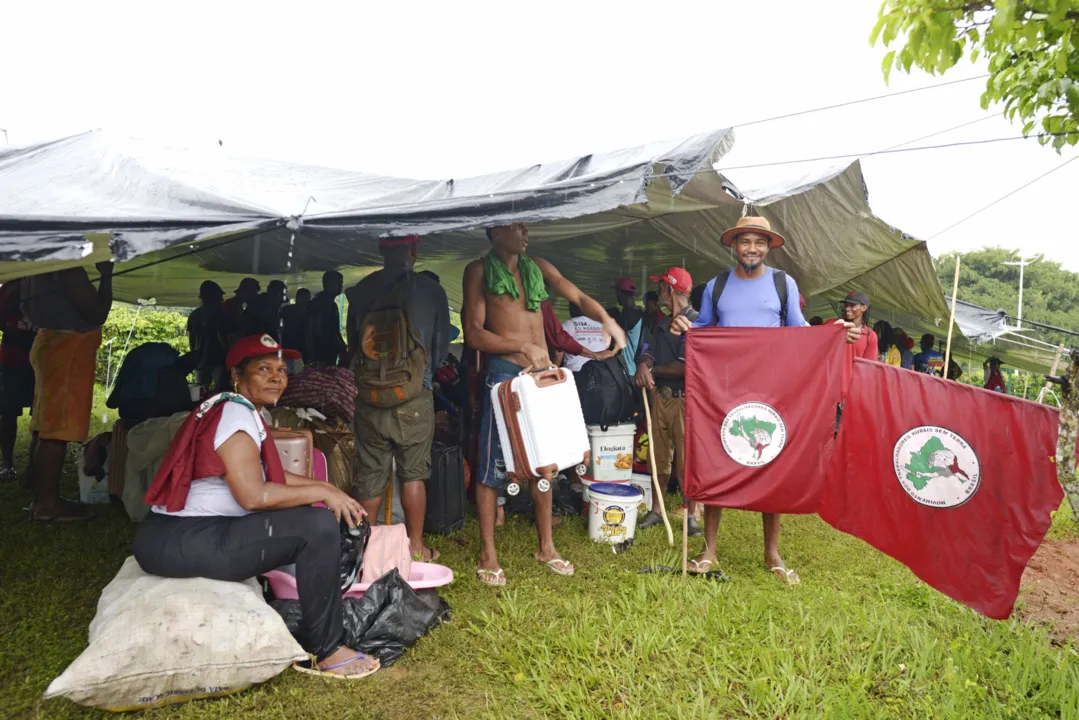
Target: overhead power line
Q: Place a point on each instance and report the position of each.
(847, 156)
(1004, 197)
(861, 100)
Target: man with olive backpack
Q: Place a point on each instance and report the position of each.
(398, 333)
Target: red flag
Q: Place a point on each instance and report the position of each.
(955, 482)
(760, 415)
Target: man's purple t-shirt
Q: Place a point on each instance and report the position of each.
(750, 303)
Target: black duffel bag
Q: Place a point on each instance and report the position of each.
(607, 393)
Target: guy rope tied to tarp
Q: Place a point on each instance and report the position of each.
(499, 280)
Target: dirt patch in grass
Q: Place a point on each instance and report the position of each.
(1051, 589)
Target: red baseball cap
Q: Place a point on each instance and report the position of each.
(678, 278)
(398, 241)
(256, 346)
(625, 284)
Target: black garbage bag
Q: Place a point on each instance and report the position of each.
(353, 544)
(389, 617)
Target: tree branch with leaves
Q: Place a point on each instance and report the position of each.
(1032, 47)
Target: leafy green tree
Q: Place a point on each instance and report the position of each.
(1032, 47)
(149, 325)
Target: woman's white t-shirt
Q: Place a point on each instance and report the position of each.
(211, 495)
(590, 334)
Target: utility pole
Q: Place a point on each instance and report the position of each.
(1022, 266)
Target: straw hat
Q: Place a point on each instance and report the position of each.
(752, 224)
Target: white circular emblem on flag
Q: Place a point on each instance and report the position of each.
(753, 434)
(936, 467)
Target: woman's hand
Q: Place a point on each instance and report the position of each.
(344, 506)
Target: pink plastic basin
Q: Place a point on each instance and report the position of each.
(423, 577)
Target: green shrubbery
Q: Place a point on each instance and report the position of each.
(168, 325)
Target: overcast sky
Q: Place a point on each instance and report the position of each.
(439, 90)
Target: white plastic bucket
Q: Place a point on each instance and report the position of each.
(91, 490)
(612, 452)
(612, 512)
(643, 483)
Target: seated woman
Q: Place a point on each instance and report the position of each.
(224, 508)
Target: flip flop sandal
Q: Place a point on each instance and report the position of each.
(434, 555)
(700, 567)
(560, 567)
(325, 671)
(69, 513)
(788, 576)
(494, 578)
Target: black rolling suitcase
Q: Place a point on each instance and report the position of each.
(447, 503)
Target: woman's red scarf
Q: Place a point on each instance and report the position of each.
(191, 455)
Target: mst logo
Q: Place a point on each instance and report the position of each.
(936, 467)
(753, 434)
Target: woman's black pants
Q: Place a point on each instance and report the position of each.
(238, 548)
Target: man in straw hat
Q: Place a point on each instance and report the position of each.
(749, 295)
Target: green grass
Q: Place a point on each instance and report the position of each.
(860, 638)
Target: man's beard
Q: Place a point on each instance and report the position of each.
(750, 265)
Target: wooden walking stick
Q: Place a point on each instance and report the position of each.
(387, 514)
(658, 493)
(951, 321)
(685, 537)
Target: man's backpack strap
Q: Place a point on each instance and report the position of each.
(718, 283)
(780, 279)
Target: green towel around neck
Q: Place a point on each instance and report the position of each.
(500, 280)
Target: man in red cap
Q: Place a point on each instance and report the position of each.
(398, 327)
(662, 370)
(629, 317)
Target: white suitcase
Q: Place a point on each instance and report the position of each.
(540, 425)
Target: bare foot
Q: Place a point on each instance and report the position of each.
(363, 665)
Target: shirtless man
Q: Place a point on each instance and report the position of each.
(503, 294)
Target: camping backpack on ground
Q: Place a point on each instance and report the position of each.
(447, 501)
(392, 360)
(607, 395)
(780, 279)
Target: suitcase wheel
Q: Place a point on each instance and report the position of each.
(512, 489)
(581, 470)
(543, 485)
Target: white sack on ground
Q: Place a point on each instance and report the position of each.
(157, 641)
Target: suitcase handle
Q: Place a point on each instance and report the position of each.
(548, 376)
